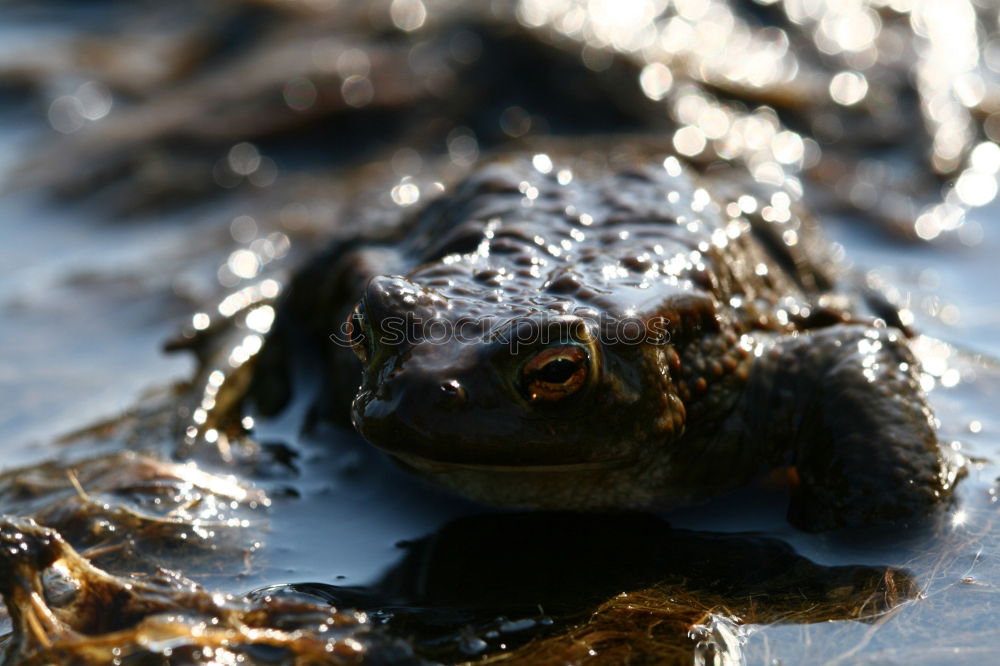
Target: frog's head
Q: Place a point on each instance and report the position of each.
(531, 410)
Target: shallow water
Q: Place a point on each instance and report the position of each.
(87, 302)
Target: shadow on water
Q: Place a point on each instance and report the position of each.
(507, 579)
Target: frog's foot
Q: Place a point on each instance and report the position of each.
(845, 401)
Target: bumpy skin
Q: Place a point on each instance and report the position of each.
(749, 363)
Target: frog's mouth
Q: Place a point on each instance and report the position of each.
(582, 485)
(423, 464)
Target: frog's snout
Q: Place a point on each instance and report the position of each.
(415, 401)
(428, 404)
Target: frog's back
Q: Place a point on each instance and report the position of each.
(539, 233)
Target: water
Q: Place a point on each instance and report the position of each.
(87, 300)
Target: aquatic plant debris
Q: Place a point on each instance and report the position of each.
(65, 610)
(136, 513)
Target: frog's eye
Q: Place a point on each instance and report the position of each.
(555, 373)
(358, 334)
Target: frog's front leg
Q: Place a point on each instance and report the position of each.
(844, 405)
(315, 309)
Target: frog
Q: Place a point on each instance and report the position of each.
(623, 330)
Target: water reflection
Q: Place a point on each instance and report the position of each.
(711, 44)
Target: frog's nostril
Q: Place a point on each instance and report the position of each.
(452, 392)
